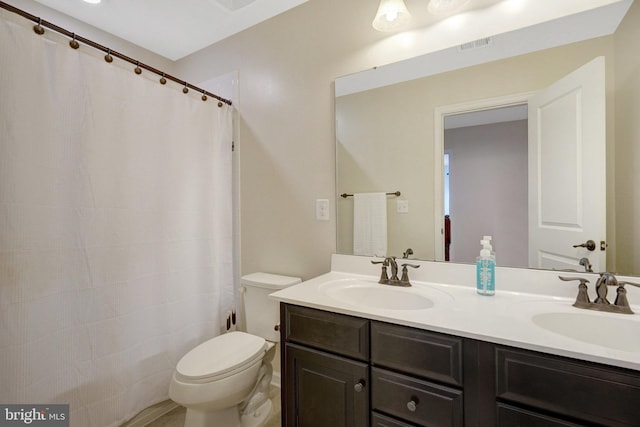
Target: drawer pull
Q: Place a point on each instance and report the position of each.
(413, 404)
(359, 386)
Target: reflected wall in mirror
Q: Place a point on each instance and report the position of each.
(385, 142)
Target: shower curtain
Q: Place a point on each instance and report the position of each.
(115, 227)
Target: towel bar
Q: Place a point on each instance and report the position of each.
(395, 193)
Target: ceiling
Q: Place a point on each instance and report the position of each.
(170, 28)
(174, 29)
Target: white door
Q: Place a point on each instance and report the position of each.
(567, 203)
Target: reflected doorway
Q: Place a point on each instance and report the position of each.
(485, 183)
(566, 164)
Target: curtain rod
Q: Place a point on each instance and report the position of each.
(395, 193)
(38, 28)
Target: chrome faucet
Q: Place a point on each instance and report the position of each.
(601, 303)
(394, 280)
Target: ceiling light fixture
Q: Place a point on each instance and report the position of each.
(438, 7)
(93, 1)
(392, 15)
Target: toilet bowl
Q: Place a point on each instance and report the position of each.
(224, 382)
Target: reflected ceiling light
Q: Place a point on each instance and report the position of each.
(438, 7)
(93, 1)
(392, 15)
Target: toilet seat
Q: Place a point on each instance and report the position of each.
(220, 357)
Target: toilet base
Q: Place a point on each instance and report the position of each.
(229, 417)
(259, 417)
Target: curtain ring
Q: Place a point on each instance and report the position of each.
(185, 89)
(108, 56)
(74, 43)
(163, 80)
(138, 70)
(38, 28)
(219, 104)
(204, 97)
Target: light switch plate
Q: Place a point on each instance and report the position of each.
(402, 206)
(322, 209)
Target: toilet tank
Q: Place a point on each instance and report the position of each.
(262, 314)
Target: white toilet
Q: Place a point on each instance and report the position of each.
(224, 382)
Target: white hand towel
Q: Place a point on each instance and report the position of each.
(370, 224)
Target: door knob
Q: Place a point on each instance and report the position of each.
(590, 245)
(359, 386)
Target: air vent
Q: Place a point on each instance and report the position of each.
(476, 44)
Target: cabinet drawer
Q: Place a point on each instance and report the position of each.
(581, 390)
(435, 405)
(337, 333)
(378, 420)
(417, 352)
(508, 416)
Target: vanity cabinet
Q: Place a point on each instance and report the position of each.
(341, 370)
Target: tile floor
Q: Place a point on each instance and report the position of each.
(175, 418)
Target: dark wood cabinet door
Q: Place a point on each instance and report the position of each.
(596, 394)
(324, 390)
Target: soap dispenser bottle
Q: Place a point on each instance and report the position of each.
(485, 269)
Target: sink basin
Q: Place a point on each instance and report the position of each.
(370, 294)
(618, 331)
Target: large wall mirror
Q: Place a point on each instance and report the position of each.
(457, 141)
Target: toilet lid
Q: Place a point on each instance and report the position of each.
(220, 355)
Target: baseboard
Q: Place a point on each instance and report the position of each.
(151, 414)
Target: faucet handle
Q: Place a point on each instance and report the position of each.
(405, 273)
(621, 297)
(384, 277)
(582, 299)
(404, 266)
(582, 280)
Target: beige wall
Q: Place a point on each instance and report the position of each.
(286, 68)
(382, 147)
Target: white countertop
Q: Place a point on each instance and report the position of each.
(504, 318)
